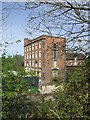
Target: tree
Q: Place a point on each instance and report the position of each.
(17, 101)
(14, 62)
(68, 19)
(72, 101)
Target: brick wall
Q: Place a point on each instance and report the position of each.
(47, 61)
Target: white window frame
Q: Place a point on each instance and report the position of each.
(27, 64)
(27, 48)
(55, 64)
(32, 63)
(32, 54)
(36, 54)
(40, 54)
(36, 65)
(39, 73)
(75, 61)
(27, 56)
(30, 48)
(33, 46)
(39, 63)
(40, 44)
(36, 45)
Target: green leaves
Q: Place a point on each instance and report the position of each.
(14, 93)
(15, 62)
(72, 102)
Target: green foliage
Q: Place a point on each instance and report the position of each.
(31, 73)
(16, 104)
(15, 62)
(46, 109)
(33, 90)
(14, 95)
(72, 101)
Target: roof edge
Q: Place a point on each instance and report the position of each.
(40, 37)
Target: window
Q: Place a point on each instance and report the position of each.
(32, 54)
(36, 46)
(55, 73)
(39, 53)
(25, 49)
(27, 56)
(55, 64)
(39, 63)
(37, 72)
(75, 61)
(40, 44)
(36, 54)
(27, 65)
(40, 74)
(36, 63)
(32, 63)
(55, 52)
(32, 46)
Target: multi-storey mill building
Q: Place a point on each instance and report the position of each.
(46, 56)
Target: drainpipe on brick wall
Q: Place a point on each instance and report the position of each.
(65, 60)
(42, 62)
(63, 49)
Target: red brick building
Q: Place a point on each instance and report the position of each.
(73, 60)
(46, 56)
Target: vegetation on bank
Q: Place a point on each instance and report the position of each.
(68, 103)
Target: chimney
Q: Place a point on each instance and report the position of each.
(26, 41)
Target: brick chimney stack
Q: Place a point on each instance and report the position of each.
(26, 41)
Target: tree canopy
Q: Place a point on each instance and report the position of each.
(14, 62)
(68, 19)
(72, 99)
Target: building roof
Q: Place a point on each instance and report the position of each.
(40, 38)
(71, 56)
